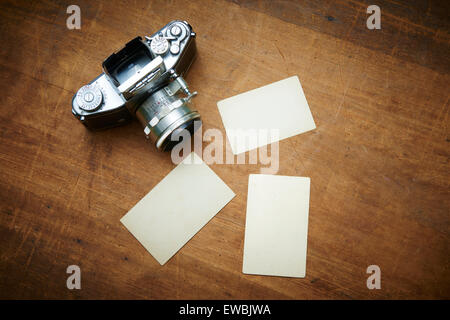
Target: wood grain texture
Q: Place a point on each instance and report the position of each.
(378, 160)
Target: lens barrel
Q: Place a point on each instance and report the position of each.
(164, 113)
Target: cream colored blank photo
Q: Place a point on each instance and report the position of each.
(276, 228)
(177, 208)
(279, 108)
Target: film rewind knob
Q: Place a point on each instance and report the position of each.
(89, 97)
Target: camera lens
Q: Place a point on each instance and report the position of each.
(189, 126)
(162, 114)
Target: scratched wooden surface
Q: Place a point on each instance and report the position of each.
(378, 160)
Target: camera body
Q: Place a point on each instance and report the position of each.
(144, 80)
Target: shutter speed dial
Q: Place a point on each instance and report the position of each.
(159, 45)
(89, 97)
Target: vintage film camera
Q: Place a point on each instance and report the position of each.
(144, 80)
